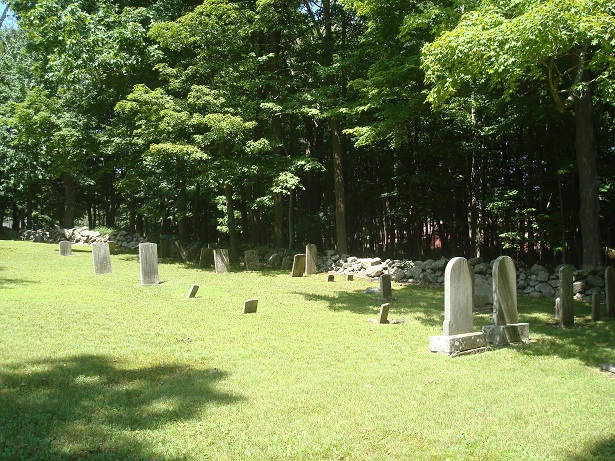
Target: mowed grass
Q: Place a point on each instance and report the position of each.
(101, 368)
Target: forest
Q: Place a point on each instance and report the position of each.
(410, 128)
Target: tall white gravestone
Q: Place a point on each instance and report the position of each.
(506, 327)
(221, 261)
(102, 258)
(148, 262)
(458, 327)
(311, 256)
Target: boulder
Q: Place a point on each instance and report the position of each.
(483, 291)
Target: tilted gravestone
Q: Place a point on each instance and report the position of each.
(193, 289)
(102, 258)
(221, 261)
(566, 307)
(250, 306)
(458, 326)
(311, 256)
(206, 260)
(386, 293)
(298, 266)
(384, 313)
(66, 248)
(609, 282)
(252, 262)
(506, 327)
(148, 262)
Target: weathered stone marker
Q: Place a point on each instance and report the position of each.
(311, 256)
(349, 278)
(193, 289)
(221, 261)
(506, 327)
(609, 283)
(458, 326)
(558, 311)
(386, 293)
(330, 278)
(567, 297)
(112, 247)
(595, 307)
(101, 258)
(250, 306)
(66, 248)
(252, 262)
(298, 266)
(148, 261)
(286, 263)
(206, 260)
(384, 313)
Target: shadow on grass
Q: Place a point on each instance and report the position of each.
(11, 281)
(601, 451)
(423, 304)
(91, 407)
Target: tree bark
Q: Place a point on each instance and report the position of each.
(70, 199)
(338, 178)
(232, 229)
(586, 158)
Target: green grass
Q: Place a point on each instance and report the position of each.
(101, 368)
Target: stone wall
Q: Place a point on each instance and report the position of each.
(83, 235)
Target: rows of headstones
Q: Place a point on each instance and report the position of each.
(458, 328)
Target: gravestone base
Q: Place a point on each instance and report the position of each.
(500, 335)
(464, 343)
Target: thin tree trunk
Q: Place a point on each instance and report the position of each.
(70, 199)
(587, 158)
(232, 229)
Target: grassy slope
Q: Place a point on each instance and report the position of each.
(98, 367)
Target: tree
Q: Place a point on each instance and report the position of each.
(566, 45)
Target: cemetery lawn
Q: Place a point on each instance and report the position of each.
(101, 368)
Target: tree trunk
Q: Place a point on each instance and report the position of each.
(586, 157)
(232, 229)
(278, 219)
(70, 199)
(338, 178)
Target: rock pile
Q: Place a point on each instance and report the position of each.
(84, 236)
(535, 281)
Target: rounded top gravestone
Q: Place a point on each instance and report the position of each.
(504, 292)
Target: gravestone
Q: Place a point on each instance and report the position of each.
(384, 313)
(250, 306)
(349, 278)
(566, 297)
(112, 247)
(386, 294)
(310, 259)
(506, 327)
(66, 248)
(206, 259)
(252, 262)
(193, 289)
(458, 327)
(148, 261)
(101, 258)
(165, 248)
(221, 261)
(558, 311)
(331, 278)
(181, 251)
(298, 265)
(609, 283)
(595, 307)
(286, 263)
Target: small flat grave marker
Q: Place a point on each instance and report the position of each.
(193, 289)
(349, 278)
(250, 306)
(331, 278)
